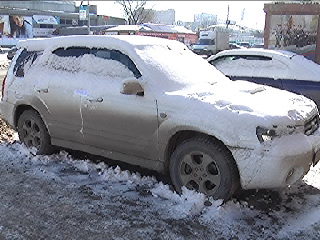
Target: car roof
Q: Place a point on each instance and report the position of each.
(296, 62)
(113, 41)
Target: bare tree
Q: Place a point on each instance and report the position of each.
(135, 11)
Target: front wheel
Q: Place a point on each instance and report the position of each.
(205, 166)
(33, 132)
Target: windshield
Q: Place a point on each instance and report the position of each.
(174, 67)
(205, 41)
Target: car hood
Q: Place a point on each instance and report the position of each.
(267, 105)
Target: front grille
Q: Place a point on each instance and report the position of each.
(311, 125)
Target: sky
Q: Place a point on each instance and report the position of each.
(254, 16)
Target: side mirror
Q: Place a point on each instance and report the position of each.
(132, 87)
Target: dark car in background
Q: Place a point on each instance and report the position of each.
(245, 44)
(276, 68)
(235, 46)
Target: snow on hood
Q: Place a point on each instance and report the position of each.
(245, 97)
(232, 111)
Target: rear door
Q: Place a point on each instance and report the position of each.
(58, 80)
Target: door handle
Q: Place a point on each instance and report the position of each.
(44, 90)
(92, 99)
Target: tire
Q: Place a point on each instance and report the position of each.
(33, 132)
(205, 166)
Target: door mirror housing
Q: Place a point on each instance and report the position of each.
(132, 87)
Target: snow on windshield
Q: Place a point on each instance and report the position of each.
(174, 67)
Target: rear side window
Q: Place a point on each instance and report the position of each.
(26, 58)
(106, 54)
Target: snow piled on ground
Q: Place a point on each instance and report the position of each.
(283, 214)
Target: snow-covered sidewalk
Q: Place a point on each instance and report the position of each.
(58, 197)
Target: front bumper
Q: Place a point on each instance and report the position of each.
(201, 52)
(278, 164)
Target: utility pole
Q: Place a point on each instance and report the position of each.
(88, 17)
(228, 18)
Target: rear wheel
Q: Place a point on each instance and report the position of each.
(33, 132)
(205, 166)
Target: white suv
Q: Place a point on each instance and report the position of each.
(152, 102)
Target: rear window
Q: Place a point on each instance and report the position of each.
(26, 58)
(236, 57)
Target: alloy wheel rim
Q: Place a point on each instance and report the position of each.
(31, 134)
(199, 171)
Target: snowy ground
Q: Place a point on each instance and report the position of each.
(60, 197)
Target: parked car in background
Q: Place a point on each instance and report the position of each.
(235, 46)
(258, 45)
(11, 53)
(140, 100)
(276, 68)
(245, 44)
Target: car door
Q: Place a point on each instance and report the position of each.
(114, 121)
(58, 82)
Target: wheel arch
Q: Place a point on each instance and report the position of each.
(182, 136)
(20, 109)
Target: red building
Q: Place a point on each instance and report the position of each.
(156, 30)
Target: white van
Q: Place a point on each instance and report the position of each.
(212, 41)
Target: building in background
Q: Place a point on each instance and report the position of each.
(164, 17)
(159, 17)
(170, 32)
(203, 21)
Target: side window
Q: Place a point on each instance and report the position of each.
(24, 58)
(255, 57)
(117, 56)
(71, 51)
(68, 59)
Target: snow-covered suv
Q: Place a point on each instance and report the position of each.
(152, 102)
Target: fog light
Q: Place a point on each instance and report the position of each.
(265, 134)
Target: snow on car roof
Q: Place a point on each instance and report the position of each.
(91, 41)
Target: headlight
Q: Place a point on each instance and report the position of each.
(265, 134)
